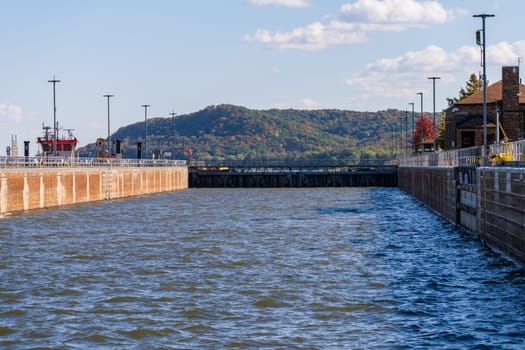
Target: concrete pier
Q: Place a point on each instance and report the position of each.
(22, 190)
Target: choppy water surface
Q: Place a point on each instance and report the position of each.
(247, 268)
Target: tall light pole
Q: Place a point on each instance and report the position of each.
(392, 140)
(421, 116)
(396, 138)
(145, 130)
(413, 125)
(173, 120)
(54, 81)
(434, 111)
(401, 143)
(406, 132)
(109, 137)
(483, 63)
(401, 136)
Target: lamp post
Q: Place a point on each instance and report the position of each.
(421, 116)
(406, 132)
(54, 81)
(392, 140)
(434, 110)
(396, 138)
(173, 120)
(173, 129)
(413, 125)
(483, 63)
(109, 137)
(145, 130)
(401, 136)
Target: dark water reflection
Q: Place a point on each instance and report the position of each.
(248, 268)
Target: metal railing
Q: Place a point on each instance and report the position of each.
(466, 156)
(291, 163)
(17, 163)
(515, 149)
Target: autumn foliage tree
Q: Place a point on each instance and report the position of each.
(423, 131)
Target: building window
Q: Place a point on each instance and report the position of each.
(467, 138)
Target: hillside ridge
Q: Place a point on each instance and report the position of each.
(230, 132)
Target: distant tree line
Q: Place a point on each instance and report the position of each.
(228, 132)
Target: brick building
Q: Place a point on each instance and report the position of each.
(464, 119)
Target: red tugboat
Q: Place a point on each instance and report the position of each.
(65, 144)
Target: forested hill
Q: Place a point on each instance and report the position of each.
(228, 132)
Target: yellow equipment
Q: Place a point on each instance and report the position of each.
(505, 156)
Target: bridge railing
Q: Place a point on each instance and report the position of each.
(312, 163)
(306, 167)
(15, 163)
(465, 156)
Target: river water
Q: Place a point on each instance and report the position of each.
(347, 268)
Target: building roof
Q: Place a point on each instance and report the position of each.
(494, 94)
(475, 121)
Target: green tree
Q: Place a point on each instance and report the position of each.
(472, 86)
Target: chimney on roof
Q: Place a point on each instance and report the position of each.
(510, 100)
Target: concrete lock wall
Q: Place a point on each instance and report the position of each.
(490, 202)
(501, 210)
(434, 186)
(34, 189)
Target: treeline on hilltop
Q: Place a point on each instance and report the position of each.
(233, 133)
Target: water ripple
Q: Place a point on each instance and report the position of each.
(254, 268)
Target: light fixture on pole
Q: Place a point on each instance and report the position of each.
(109, 137)
(54, 81)
(481, 41)
(434, 110)
(145, 130)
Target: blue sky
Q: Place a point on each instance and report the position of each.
(364, 55)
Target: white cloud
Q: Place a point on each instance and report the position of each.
(314, 37)
(504, 53)
(9, 112)
(354, 21)
(308, 103)
(401, 13)
(305, 103)
(400, 77)
(432, 58)
(285, 3)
